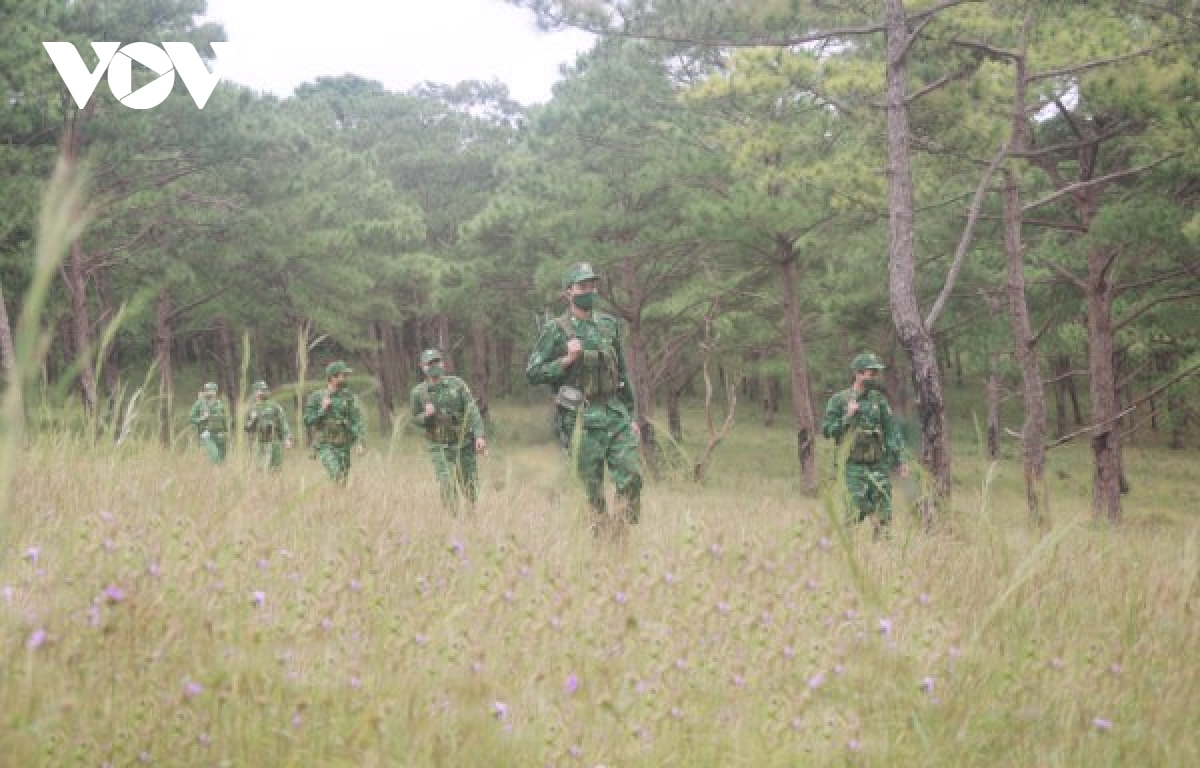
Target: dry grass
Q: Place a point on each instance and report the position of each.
(158, 610)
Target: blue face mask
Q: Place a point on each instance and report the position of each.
(585, 301)
(435, 371)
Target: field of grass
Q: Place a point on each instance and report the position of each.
(158, 611)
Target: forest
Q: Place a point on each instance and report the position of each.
(996, 193)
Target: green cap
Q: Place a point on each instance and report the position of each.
(336, 367)
(210, 386)
(867, 360)
(430, 355)
(261, 386)
(577, 273)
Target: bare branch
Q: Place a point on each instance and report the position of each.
(986, 48)
(1064, 273)
(962, 74)
(968, 236)
(1151, 304)
(1075, 69)
(1079, 186)
(1047, 223)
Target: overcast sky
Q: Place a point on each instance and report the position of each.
(279, 44)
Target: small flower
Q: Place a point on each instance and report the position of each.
(738, 681)
(789, 652)
(355, 585)
(499, 710)
(191, 688)
(36, 639)
(825, 543)
(885, 626)
(723, 606)
(572, 683)
(154, 569)
(258, 597)
(1100, 724)
(557, 622)
(326, 623)
(1115, 668)
(923, 599)
(816, 681)
(854, 745)
(621, 598)
(1057, 663)
(669, 577)
(204, 739)
(477, 666)
(109, 545)
(297, 720)
(263, 563)
(681, 664)
(509, 595)
(355, 683)
(420, 639)
(927, 685)
(812, 585)
(33, 554)
(575, 751)
(839, 668)
(676, 713)
(114, 594)
(715, 549)
(8, 592)
(457, 547)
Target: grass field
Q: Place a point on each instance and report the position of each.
(159, 611)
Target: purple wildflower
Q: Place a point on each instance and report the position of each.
(191, 688)
(1100, 724)
(36, 639)
(499, 710)
(885, 626)
(355, 585)
(669, 577)
(33, 554)
(258, 597)
(816, 681)
(927, 685)
(8, 592)
(621, 598)
(114, 594)
(825, 543)
(572, 683)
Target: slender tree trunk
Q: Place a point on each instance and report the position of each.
(771, 395)
(906, 314)
(801, 394)
(504, 365)
(112, 359)
(441, 326)
(992, 389)
(81, 324)
(1102, 385)
(674, 412)
(228, 375)
(386, 403)
(1033, 432)
(8, 355)
(163, 339)
(1062, 365)
(480, 375)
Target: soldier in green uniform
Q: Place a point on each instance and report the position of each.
(443, 406)
(337, 418)
(862, 414)
(210, 417)
(268, 428)
(580, 354)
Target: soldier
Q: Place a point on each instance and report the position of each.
(267, 426)
(335, 414)
(444, 407)
(210, 417)
(580, 353)
(877, 447)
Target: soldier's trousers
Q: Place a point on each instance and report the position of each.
(214, 446)
(457, 471)
(869, 488)
(336, 460)
(268, 455)
(610, 442)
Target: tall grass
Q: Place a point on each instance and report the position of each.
(160, 610)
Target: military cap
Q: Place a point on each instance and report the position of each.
(210, 386)
(336, 367)
(867, 360)
(577, 273)
(261, 386)
(430, 355)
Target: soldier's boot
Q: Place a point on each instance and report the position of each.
(629, 509)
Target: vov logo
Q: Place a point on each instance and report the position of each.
(118, 60)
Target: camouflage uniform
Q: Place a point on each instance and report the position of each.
(210, 417)
(339, 427)
(451, 431)
(876, 448)
(268, 428)
(594, 396)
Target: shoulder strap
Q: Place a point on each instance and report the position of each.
(564, 322)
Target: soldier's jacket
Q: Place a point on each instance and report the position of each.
(456, 419)
(341, 425)
(212, 416)
(268, 423)
(876, 435)
(599, 372)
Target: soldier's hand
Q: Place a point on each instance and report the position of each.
(851, 408)
(361, 449)
(481, 445)
(637, 429)
(574, 348)
(904, 471)
(287, 443)
(430, 409)
(326, 402)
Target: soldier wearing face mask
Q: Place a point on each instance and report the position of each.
(443, 406)
(580, 354)
(862, 416)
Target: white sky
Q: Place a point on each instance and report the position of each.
(279, 44)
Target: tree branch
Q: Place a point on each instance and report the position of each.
(962, 74)
(1064, 273)
(968, 236)
(1094, 64)
(1079, 186)
(1151, 304)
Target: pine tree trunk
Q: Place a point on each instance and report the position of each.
(992, 390)
(906, 314)
(802, 409)
(163, 338)
(81, 324)
(1033, 395)
(1102, 385)
(1062, 365)
(386, 402)
(228, 376)
(8, 355)
(481, 381)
